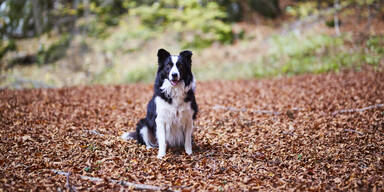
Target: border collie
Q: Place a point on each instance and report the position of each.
(172, 109)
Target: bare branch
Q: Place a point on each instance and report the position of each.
(353, 131)
(121, 182)
(95, 132)
(217, 107)
(69, 186)
(358, 109)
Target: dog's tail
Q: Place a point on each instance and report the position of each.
(129, 135)
(143, 134)
(136, 134)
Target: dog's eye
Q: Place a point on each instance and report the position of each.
(178, 64)
(170, 63)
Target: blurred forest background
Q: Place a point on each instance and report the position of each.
(55, 43)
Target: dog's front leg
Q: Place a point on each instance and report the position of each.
(160, 133)
(188, 137)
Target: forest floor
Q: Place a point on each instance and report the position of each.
(308, 132)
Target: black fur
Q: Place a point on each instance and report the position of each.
(186, 75)
(191, 97)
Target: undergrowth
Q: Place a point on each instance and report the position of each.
(294, 54)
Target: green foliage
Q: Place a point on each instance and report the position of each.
(6, 46)
(129, 37)
(290, 54)
(134, 75)
(375, 44)
(364, 2)
(193, 23)
(141, 75)
(294, 54)
(104, 14)
(95, 28)
(306, 8)
(56, 51)
(197, 23)
(375, 52)
(331, 22)
(303, 9)
(108, 12)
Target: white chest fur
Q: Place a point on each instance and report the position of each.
(176, 117)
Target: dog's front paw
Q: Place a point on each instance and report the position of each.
(160, 156)
(188, 151)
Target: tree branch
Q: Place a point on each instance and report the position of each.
(68, 185)
(217, 107)
(358, 109)
(95, 132)
(121, 182)
(353, 131)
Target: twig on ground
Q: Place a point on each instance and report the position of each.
(354, 131)
(216, 107)
(245, 109)
(288, 133)
(229, 108)
(358, 109)
(94, 132)
(68, 185)
(121, 182)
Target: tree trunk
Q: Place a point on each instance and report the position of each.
(247, 13)
(267, 8)
(336, 17)
(37, 16)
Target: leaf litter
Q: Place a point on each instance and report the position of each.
(315, 137)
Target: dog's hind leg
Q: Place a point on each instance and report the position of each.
(144, 135)
(148, 137)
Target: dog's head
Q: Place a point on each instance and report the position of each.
(175, 68)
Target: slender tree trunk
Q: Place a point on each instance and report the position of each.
(73, 24)
(247, 14)
(37, 16)
(86, 8)
(336, 17)
(86, 14)
(369, 23)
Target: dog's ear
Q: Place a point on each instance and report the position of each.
(186, 54)
(162, 54)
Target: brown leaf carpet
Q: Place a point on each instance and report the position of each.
(308, 143)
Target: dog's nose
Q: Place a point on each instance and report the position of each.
(174, 75)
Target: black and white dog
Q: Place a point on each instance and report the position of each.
(172, 109)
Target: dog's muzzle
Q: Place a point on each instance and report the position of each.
(174, 79)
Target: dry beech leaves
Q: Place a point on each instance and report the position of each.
(304, 147)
